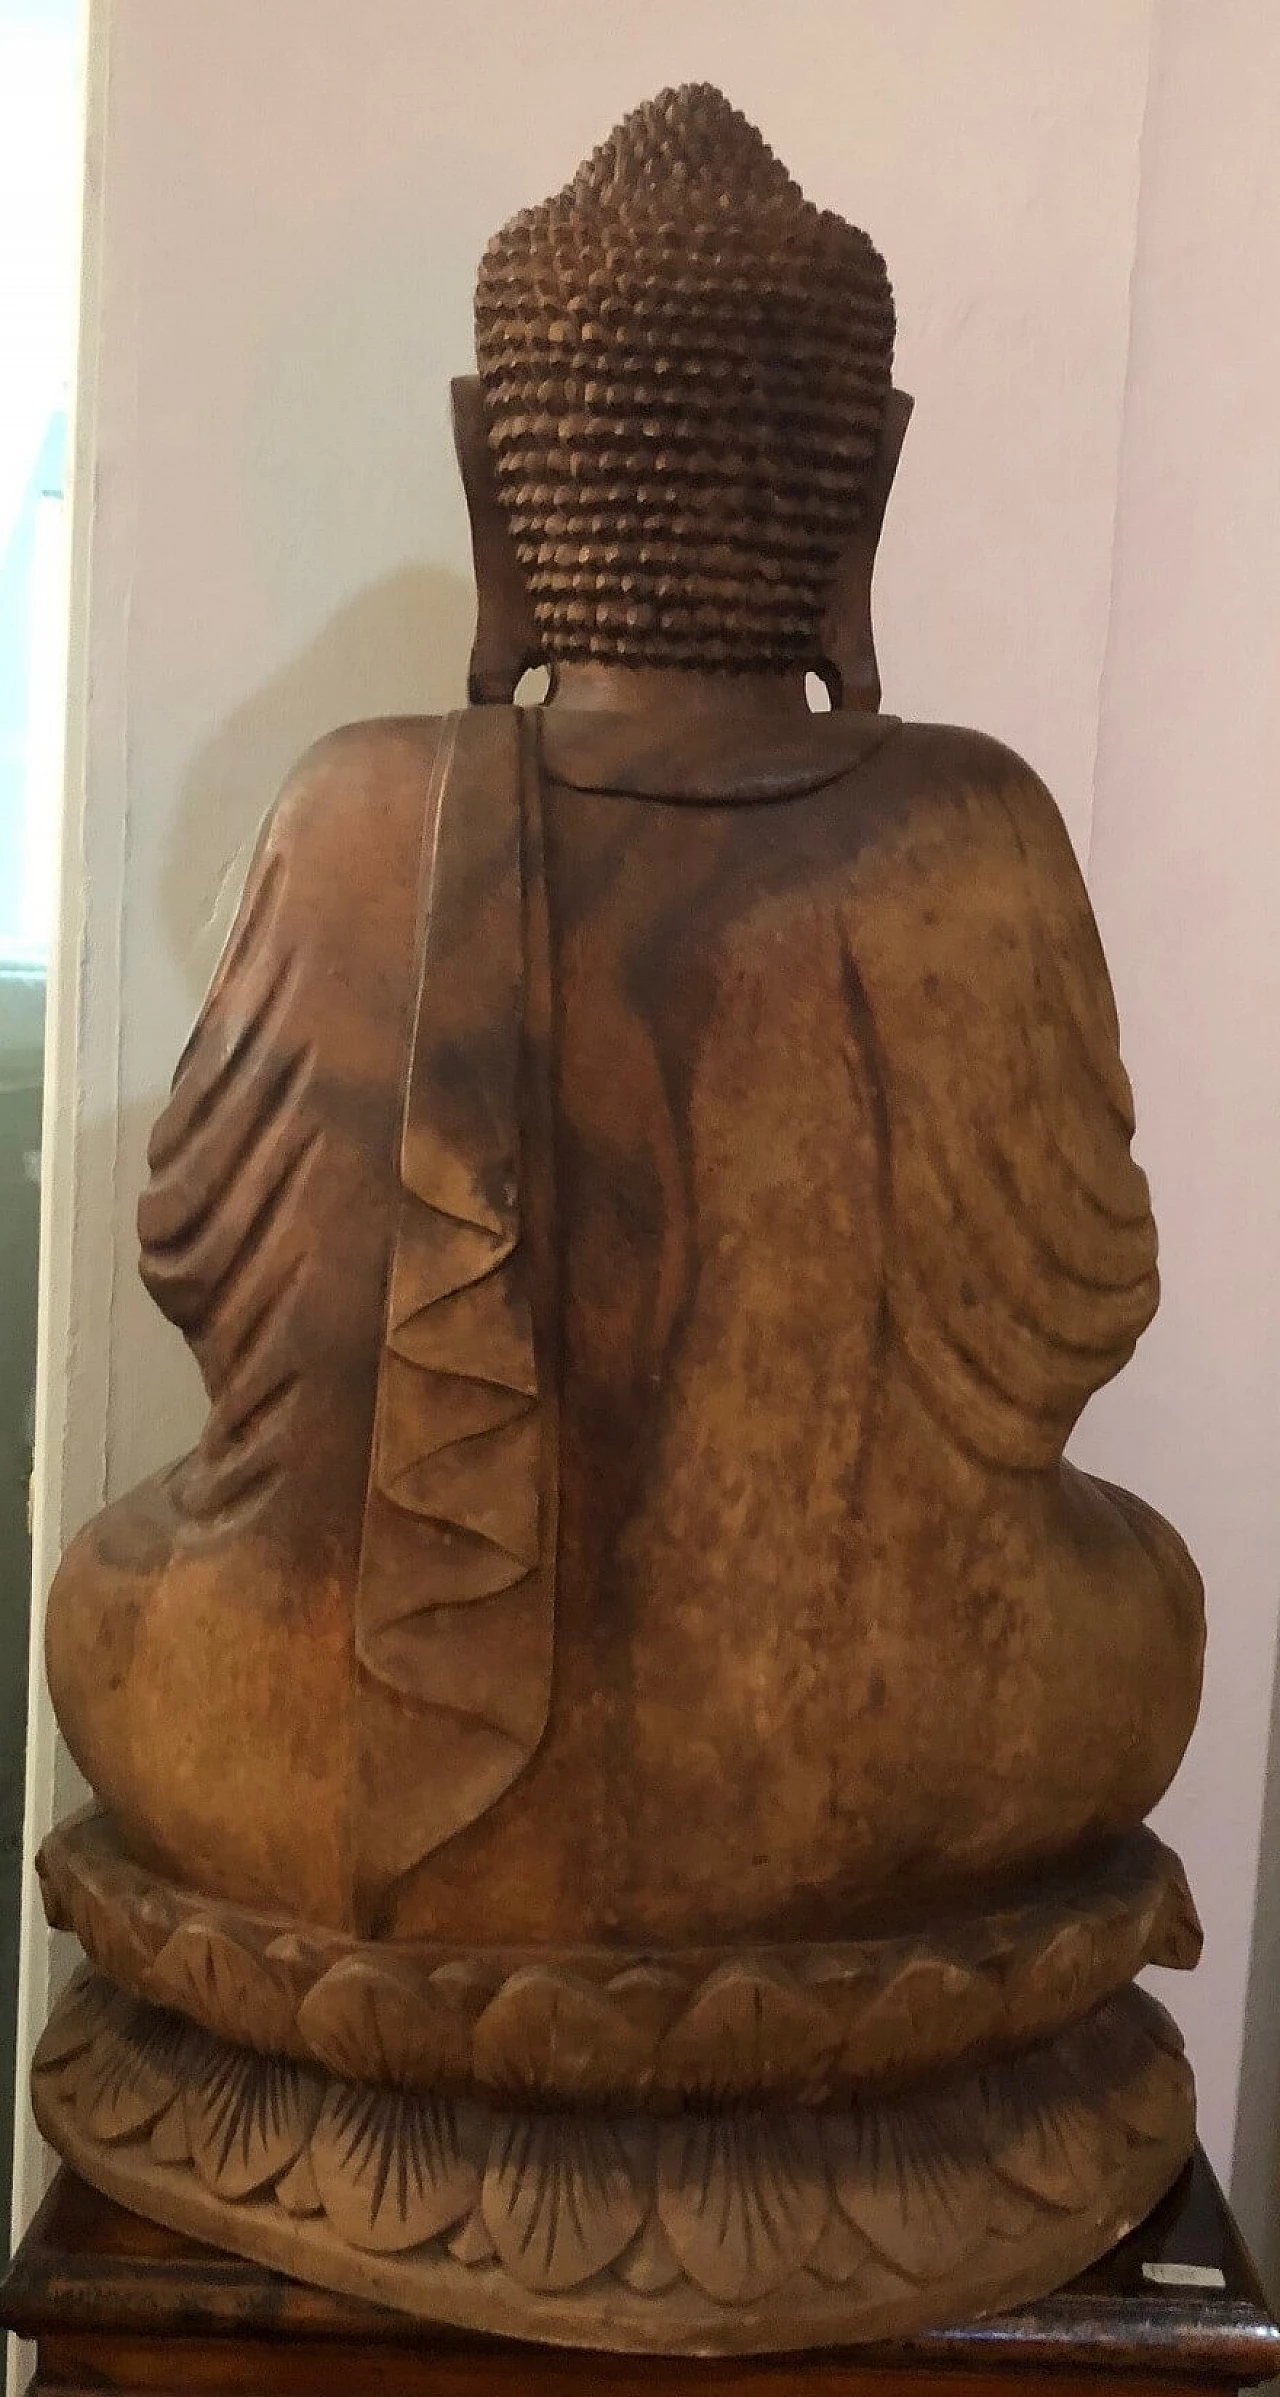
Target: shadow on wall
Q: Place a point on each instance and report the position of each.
(1255, 2166)
(399, 648)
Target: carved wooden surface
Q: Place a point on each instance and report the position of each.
(628, 493)
(116, 2301)
(455, 1599)
(222, 1250)
(711, 2231)
(711, 1158)
(808, 2024)
(645, 1730)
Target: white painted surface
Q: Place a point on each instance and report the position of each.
(293, 200)
(1186, 881)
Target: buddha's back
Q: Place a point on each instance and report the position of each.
(847, 1232)
(832, 1624)
(626, 1698)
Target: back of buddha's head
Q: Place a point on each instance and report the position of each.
(685, 368)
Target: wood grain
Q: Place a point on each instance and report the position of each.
(117, 2303)
(719, 2230)
(623, 1748)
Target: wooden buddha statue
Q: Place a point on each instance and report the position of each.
(623, 1751)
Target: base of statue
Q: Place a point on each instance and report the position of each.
(113, 2303)
(709, 2233)
(705, 2151)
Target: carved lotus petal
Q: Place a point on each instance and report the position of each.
(742, 2199)
(1143, 2086)
(465, 1985)
(471, 2243)
(1124, 1928)
(930, 2005)
(1177, 1938)
(88, 2005)
(1159, 2024)
(549, 2034)
(841, 2254)
(393, 2169)
(650, 1996)
(217, 1981)
(296, 2189)
(118, 1927)
(1063, 1975)
(1147, 2102)
(299, 1956)
(1044, 2135)
(749, 2033)
(843, 1984)
(295, 1960)
(561, 2198)
(1011, 2214)
(382, 2022)
(911, 2176)
(650, 2264)
(169, 2142)
(248, 2117)
(51, 1873)
(132, 2072)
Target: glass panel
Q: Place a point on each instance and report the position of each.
(33, 646)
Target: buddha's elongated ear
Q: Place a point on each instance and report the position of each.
(848, 665)
(506, 638)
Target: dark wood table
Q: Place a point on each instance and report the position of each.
(114, 2304)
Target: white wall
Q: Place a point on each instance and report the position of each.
(290, 201)
(1185, 872)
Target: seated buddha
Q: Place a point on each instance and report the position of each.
(650, 1194)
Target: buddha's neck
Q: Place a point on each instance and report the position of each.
(634, 690)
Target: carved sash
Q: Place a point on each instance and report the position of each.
(455, 1599)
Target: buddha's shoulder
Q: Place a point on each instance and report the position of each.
(947, 757)
(951, 778)
(339, 845)
(353, 778)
